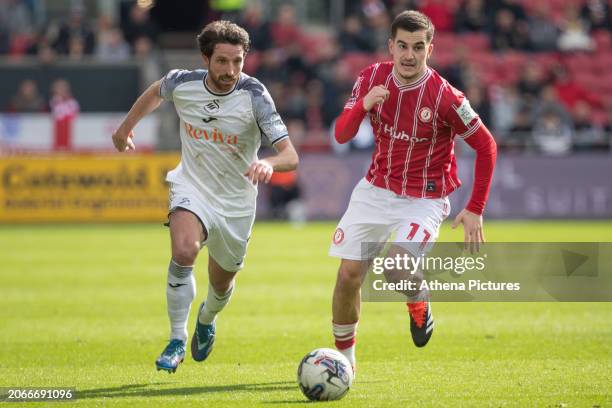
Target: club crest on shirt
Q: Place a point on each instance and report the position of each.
(425, 114)
(212, 106)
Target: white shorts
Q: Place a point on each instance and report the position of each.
(374, 214)
(228, 237)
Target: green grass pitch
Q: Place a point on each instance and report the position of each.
(84, 307)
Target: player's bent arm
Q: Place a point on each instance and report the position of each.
(286, 158)
(145, 104)
(348, 122)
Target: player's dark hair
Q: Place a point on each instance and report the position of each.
(219, 32)
(412, 21)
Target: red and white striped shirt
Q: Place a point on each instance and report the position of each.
(414, 130)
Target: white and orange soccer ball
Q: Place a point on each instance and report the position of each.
(325, 375)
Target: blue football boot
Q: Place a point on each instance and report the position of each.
(203, 339)
(172, 356)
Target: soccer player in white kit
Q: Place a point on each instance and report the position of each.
(415, 115)
(224, 116)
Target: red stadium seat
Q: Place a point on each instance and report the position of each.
(475, 41)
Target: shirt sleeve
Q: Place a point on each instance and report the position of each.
(270, 124)
(459, 114)
(170, 82)
(361, 87)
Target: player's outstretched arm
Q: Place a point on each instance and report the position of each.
(286, 159)
(145, 104)
(471, 217)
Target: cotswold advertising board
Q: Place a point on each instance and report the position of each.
(84, 188)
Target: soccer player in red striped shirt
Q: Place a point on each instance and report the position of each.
(416, 115)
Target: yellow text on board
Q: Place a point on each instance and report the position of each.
(104, 188)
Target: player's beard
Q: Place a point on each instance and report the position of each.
(222, 83)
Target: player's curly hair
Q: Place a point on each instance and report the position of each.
(412, 21)
(219, 32)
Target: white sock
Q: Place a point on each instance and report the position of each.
(214, 304)
(346, 340)
(180, 291)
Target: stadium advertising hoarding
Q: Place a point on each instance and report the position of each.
(84, 188)
(89, 131)
(531, 187)
(111, 187)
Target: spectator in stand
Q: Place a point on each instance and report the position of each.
(271, 68)
(520, 132)
(138, 23)
(570, 92)
(111, 45)
(147, 56)
(76, 48)
(354, 37)
(515, 7)
(588, 135)
(549, 101)
(376, 23)
(509, 33)
(574, 32)
(551, 134)
(286, 30)
(476, 94)
(314, 102)
(64, 110)
(27, 99)
(597, 14)
(505, 104)
(471, 17)
(530, 83)
(439, 13)
(543, 32)
(74, 29)
(257, 27)
(16, 26)
(298, 69)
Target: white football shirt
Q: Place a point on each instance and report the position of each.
(220, 136)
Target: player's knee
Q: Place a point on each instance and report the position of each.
(185, 253)
(349, 275)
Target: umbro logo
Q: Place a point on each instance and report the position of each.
(176, 285)
(209, 119)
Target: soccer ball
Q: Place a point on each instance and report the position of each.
(325, 375)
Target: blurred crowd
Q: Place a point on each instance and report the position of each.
(537, 72)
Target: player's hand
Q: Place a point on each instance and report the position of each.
(260, 170)
(123, 141)
(473, 234)
(377, 95)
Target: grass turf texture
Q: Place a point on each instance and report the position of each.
(84, 307)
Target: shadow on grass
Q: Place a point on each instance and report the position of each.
(144, 390)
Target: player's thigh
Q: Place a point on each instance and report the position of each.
(186, 234)
(189, 221)
(418, 225)
(228, 243)
(365, 225)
